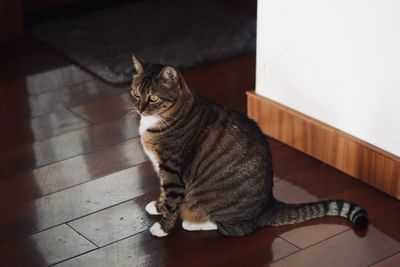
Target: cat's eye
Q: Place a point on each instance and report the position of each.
(153, 98)
(135, 93)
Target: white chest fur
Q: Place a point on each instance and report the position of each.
(147, 122)
(153, 158)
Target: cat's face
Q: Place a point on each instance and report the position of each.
(155, 88)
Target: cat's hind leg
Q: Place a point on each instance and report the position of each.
(195, 220)
(237, 228)
(202, 226)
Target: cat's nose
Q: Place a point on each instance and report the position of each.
(141, 107)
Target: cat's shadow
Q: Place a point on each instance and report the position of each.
(201, 248)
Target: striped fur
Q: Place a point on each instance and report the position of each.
(281, 213)
(214, 163)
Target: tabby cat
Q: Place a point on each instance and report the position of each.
(214, 163)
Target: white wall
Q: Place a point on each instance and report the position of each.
(335, 60)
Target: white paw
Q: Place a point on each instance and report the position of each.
(151, 208)
(157, 231)
(206, 226)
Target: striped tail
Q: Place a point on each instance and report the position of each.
(281, 213)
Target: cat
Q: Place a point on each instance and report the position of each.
(214, 163)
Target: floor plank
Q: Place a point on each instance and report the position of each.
(392, 261)
(185, 249)
(389, 223)
(55, 79)
(287, 161)
(61, 147)
(45, 248)
(61, 175)
(314, 184)
(274, 143)
(44, 82)
(138, 250)
(69, 96)
(27, 131)
(117, 222)
(75, 202)
(91, 91)
(346, 249)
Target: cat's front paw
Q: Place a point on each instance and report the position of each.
(151, 208)
(157, 231)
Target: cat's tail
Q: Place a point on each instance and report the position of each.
(281, 213)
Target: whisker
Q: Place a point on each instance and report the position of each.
(125, 116)
(173, 118)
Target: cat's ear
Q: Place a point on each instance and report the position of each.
(168, 73)
(137, 64)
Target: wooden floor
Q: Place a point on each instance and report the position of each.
(74, 180)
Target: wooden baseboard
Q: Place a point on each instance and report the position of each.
(326, 143)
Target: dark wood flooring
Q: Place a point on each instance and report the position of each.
(74, 180)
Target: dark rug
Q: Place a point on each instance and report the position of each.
(179, 33)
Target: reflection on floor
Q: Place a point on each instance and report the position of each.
(74, 180)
